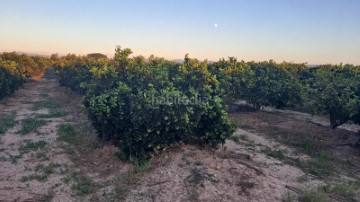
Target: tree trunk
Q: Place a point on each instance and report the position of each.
(334, 122)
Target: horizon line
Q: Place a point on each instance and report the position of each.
(47, 54)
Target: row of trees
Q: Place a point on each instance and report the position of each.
(16, 68)
(335, 90)
(145, 105)
(127, 98)
(332, 90)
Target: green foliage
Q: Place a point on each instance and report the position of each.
(345, 189)
(44, 170)
(7, 122)
(44, 104)
(29, 125)
(38, 177)
(335, 90)
(127, 97)
(121, 57)
(308, 146)
(9, 82)
(83, 184)
(260, 84)
(53, 113)
(320, 166)
(67, 133)
(33, 145)
(78, 72)
(15, 68)
(47, 169)
(313, 196)
(54, 109)
(267, 84)
(127, 100)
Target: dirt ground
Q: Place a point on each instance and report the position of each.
(273, 156)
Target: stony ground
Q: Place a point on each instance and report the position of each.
(49, 152)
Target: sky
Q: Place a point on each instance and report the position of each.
(312, 31)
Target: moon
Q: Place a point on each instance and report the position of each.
(215, 25)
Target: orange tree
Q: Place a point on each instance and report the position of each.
(334, 90)
(76, 72)
(10, 80)
(15, 69)
(146, 105)
(259, 83)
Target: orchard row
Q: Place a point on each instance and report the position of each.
(15, 69)
(120, 92)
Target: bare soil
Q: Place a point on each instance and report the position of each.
(262, 162)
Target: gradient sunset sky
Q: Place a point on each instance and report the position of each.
(313, 31)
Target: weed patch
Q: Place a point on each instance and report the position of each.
(42, 172)
(344, 189)
(67, 133)
(313, 196)
(30, 145)
(40, 178)
(53, 113)
(7, 122)
(278, 154)
(129, 179)
(54, 109)
(82, 185)
(47, 169)
(307, 146)
(45, 104)
(31, 125)
(12, 158)
(320, 166)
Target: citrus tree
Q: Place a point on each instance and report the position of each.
(146, 105)
(334, 90)
(267, 84)
(16, 68)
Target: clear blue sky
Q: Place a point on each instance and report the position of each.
(313, 31)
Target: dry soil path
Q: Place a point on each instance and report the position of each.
(33, 163)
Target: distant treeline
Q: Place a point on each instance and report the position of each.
(15, 69)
